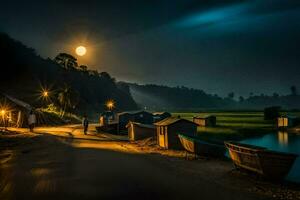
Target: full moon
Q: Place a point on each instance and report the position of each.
(81, 50)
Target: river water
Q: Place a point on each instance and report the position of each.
(283, 142)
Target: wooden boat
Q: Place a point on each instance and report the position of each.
(271, 164)
(197, 146)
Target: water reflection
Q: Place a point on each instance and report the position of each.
(283, 138)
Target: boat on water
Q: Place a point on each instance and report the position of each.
(270, 164)
(200, 147)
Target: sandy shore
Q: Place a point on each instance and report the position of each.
(43, 166)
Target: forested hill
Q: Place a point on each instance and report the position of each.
(158, 97)
(24, 75)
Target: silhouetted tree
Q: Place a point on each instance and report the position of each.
(231, 95)
(94, 73)
(83, 68)
(67, 61)
(293, 90)
(241, 99)
(105, 75)
(275, 95)
(67, 98)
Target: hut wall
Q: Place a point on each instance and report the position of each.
(282, 122)
(136, 132)
(200, 122)
(162, 137)
(131, 132)
(209, 121)
(123, 120)
(287, 122)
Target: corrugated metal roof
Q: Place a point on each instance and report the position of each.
(141, 125)
(171, 120)
(133, 112)
(161, 113)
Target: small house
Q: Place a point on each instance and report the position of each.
(158, 116)
(106, 118)
(142, 117)
(167, 131)
(287, 121)
(138, 131)
(14, 112)
(205, 120)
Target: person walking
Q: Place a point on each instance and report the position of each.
(31, 120)
(85, 123)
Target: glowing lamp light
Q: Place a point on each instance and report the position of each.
(3, 112)
(110, 104)
(45, 94)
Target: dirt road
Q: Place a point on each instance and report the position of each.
(47, 167)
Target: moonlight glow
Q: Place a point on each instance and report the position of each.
(81, 50)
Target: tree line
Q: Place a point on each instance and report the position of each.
(155, 97)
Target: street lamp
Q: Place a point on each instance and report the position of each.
(110, 104)
(45, 93)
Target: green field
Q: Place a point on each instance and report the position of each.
(234, 125)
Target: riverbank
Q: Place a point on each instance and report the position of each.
(237, 125)
(36, 166)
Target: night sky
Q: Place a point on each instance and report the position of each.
(218, 46)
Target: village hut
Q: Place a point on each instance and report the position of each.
(138, 131)
(287, 121)
(136, 116)
(106, 118)
(167, 131)
(14, 112)
(208, 120)
(158, 116)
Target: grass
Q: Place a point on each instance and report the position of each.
(233, 125)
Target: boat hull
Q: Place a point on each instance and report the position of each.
(270, 164)
(199, 147)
